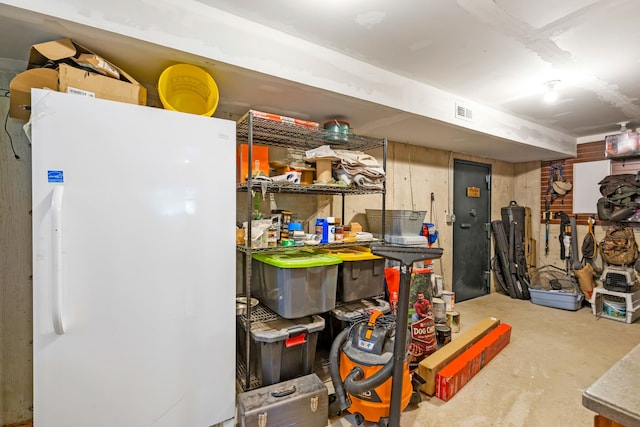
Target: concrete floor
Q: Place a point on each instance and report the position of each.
(537, 380)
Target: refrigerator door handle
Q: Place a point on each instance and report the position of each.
(56, 259)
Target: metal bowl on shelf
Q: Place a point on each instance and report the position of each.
(241, 305)
(337, 130)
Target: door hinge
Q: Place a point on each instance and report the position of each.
(487, 179)
(487, 229)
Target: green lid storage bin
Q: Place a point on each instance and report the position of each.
(361, 274)
(296, 283)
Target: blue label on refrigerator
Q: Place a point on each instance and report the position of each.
(55, 176)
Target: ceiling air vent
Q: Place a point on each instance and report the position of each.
(463, 112)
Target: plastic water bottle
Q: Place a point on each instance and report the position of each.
(331, 229)
(322, 230)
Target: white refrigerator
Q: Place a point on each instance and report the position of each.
(134, 265)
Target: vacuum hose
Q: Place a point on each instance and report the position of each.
(354, 385)
(334, 370)
(353, 382)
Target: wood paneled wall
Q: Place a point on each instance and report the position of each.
(589, 152)
(625, 166)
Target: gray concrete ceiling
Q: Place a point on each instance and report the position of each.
(495, 54)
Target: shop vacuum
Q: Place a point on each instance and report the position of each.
(364, 351)
(368, 361)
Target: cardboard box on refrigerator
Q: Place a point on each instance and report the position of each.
(429, 367)
(66, 66)
(456, 374)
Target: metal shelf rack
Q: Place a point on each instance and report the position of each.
(278, 131)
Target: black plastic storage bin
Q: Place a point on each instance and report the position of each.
(347, 314)
(281, 349)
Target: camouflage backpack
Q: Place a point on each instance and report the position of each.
(619, 246)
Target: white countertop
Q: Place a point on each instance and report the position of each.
(616, 394)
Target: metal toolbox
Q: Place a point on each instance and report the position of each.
(302, 401)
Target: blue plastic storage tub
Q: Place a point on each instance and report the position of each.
(556, 299)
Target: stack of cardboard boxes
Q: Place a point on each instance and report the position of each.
(447, 370)
(64, 66)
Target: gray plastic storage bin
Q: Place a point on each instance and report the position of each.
(281, 349)
(360, 279)
(397, 222)
(297, 283)
(556, 299)
(361, 274)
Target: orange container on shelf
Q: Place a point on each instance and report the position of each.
(260, 160)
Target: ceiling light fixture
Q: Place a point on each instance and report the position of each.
(623, 126)
(551, 95)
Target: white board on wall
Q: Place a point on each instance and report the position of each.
(586, 190)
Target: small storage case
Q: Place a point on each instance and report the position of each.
(620, 306)
(301, 401)
(296, 283)
(281, 349)
(619, 278)
(361, 274)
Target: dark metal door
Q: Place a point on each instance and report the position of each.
(471, 229)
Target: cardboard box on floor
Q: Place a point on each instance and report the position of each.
(68, 78)
(459, 372)
(429, 367)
